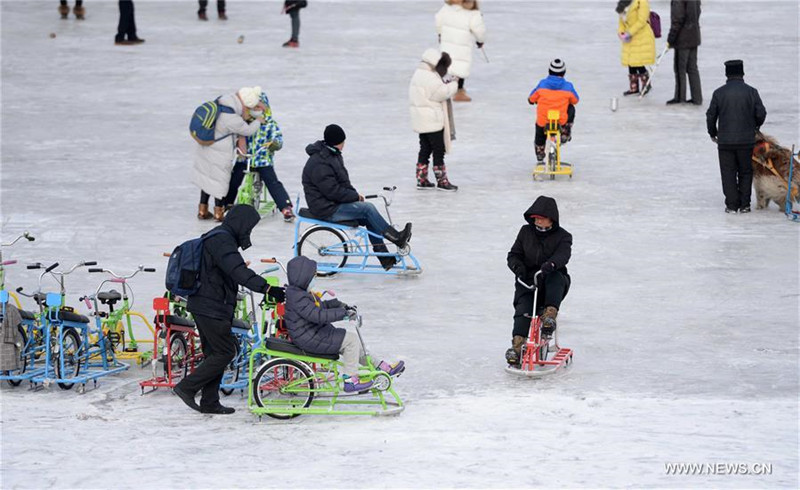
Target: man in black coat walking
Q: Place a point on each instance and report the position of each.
(223, 269)
(331, 197)
(126, 29)
(541, 245)
(684, 37)
(738, 109)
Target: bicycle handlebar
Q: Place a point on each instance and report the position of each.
(55, 264)
(167, 254)
(535, 281)
(149, 269)
(371, 196)
(8, 262)
(25, 235)
(95, 269)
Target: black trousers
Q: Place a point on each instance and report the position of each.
(736, 170)
(552, 293)
(204, 5)
(204, 199)
(637, 70)
(219, 349)
(268, 176)
(460, 83)
(295, 15)
(127, 25)
(685, 63)
(540, 138)
(431, 143)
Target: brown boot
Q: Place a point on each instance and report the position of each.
(513, 354)
(461, 96)
(633, 80)
(202, 212)
(63, 10)
(549, 321)
(219, 213)
(79, 12)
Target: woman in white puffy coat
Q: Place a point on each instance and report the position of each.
(213, 163)
(459, 24)
(428, 95)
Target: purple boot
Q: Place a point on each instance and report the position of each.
(350, 386)
(392, 369)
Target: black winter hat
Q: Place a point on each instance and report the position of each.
(734, 68)
(334, 135)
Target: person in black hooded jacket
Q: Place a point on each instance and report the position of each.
(541, 245)
(223, 269)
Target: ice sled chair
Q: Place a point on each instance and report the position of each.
(333, 244)
(293, 382)
(552, 164)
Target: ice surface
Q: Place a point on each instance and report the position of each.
(684, 320)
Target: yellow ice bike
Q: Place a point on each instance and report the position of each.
(552, 164)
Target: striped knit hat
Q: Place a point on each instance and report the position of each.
(557, 67)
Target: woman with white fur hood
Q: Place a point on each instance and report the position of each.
(428, 95)
(459, 24)
(213, 163)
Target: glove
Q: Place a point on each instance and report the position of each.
(519, 271)
(278, 294)
(480, 45)
(548, 267)
(625, 37)
(351, 312)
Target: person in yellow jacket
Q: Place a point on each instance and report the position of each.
(638, 42)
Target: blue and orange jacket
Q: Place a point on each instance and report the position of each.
(553, 93)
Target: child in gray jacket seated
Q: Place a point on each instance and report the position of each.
(309, 321)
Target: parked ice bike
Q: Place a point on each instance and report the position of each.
(293, 382)
(540, 355)
(552, 165)
(253, 192)
(249, 331)
(74, 352)
(176, 351)
(116, 324)
(330, 244)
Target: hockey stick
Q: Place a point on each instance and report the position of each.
(653, 72)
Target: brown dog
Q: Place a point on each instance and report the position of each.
(770, 171)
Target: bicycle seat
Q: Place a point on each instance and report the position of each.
(69, 316)
(40, 298)
(27, 315)
(179, 320)
(109, 297)
(240, 327)
(305, 213)
(290, 348)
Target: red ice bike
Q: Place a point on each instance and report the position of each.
(541, 354)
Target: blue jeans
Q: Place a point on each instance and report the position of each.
(366, 214)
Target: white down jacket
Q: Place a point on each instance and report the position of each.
(428, 95)
(459, 30)
(213, 163)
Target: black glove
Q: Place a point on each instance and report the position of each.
(278, 294)
(519, 271)
(480, 45)
(548, 267)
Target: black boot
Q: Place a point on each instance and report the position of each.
(387, 261)
(187, 398)
(217, 409)
(399, 238)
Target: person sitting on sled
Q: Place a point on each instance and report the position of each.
(308, 320)
(553, 93)
(541, 245)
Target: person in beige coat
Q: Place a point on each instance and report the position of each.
(213, 163)
(459, 24)
(428, 95)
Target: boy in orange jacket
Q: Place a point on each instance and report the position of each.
(553, 93)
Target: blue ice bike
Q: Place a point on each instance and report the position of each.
(74, 351)
(332, 244)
